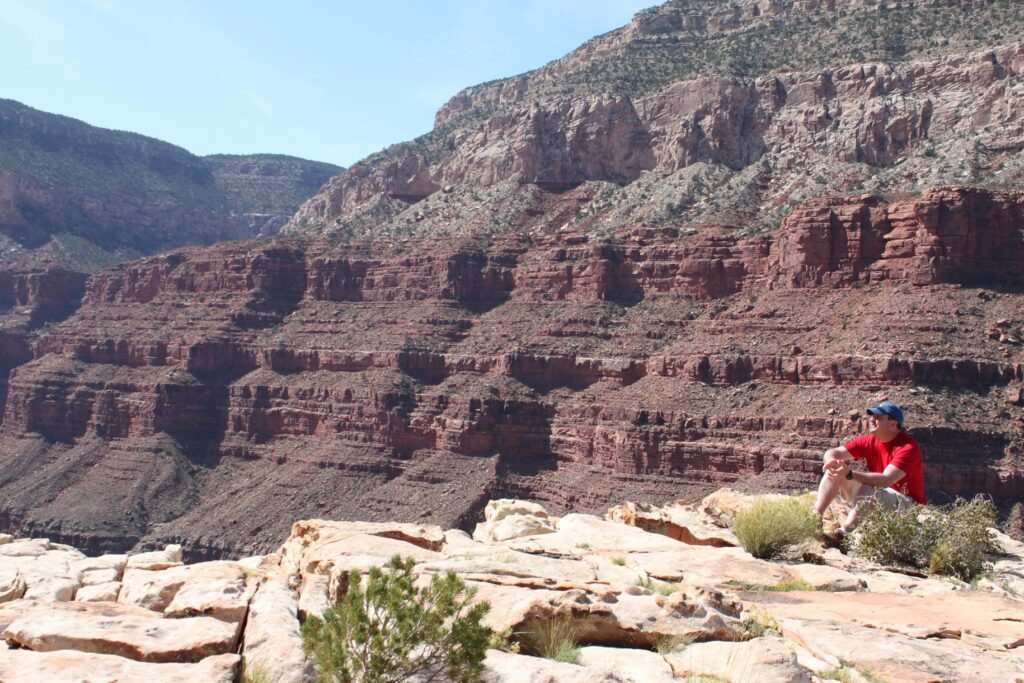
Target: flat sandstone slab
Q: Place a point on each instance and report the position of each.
(983, 620)
(68, 666)
(124, 630)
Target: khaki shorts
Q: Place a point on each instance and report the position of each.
(890, 498)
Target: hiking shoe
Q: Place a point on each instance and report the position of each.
(834, 539)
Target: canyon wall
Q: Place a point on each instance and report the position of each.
(213, 395)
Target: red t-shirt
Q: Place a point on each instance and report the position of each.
(902, 452)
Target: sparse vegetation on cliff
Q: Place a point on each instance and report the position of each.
(950, 540)
(693, 38)
(554, 639)
(770, 526)
(388, 629)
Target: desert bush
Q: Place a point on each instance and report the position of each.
(669, 643)
(386, 629)
(503, 640)
(950, 540)
(759, 623)
(893, 537)
(553, 639)
(769, 526)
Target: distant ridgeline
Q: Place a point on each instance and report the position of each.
(702, 111)
(83, 197)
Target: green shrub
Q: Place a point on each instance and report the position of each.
(553, 639)
(387, 630)
(950, 540)
(503, 640)
(769, 526)
(759, 623)
(893, 537)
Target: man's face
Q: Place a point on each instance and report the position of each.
(883, 425)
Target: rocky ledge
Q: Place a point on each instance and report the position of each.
(653, 594)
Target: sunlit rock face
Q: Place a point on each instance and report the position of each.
(653, 604)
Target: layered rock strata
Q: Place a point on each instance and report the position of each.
(207, 396)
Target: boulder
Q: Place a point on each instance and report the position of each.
(14, 610)
(25, 547)
(156, 560)
(510, 605)
(12, 583)
(510, 567)
(1007, 571)
(723, 505)
(56, 589)
(314, 596)
(630, 665)
(505, 667)
(315, 539)
(48, 570)
(507, 518)
(214, 589)
(102, 569)
(765, 660)
(886, 581)
(93, 577)
(68, 666)
(644, 618)
(631, 617)
(151, 589)
(708, 565)
(496, 510)
(578, 534)
(512, 526)
(677, 521)
(123, 630)
(335, 548)
(825, 578)
(273, 642)
(101, 592)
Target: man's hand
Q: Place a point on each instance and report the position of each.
(835, 469)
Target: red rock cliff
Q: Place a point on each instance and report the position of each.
(212, 395)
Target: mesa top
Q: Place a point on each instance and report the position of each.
(902, 452)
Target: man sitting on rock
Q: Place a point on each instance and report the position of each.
(894, 477)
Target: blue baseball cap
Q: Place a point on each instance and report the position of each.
(888, 408)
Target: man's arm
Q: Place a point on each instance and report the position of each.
(880, 480)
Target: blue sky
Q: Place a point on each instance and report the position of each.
(332, 81)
